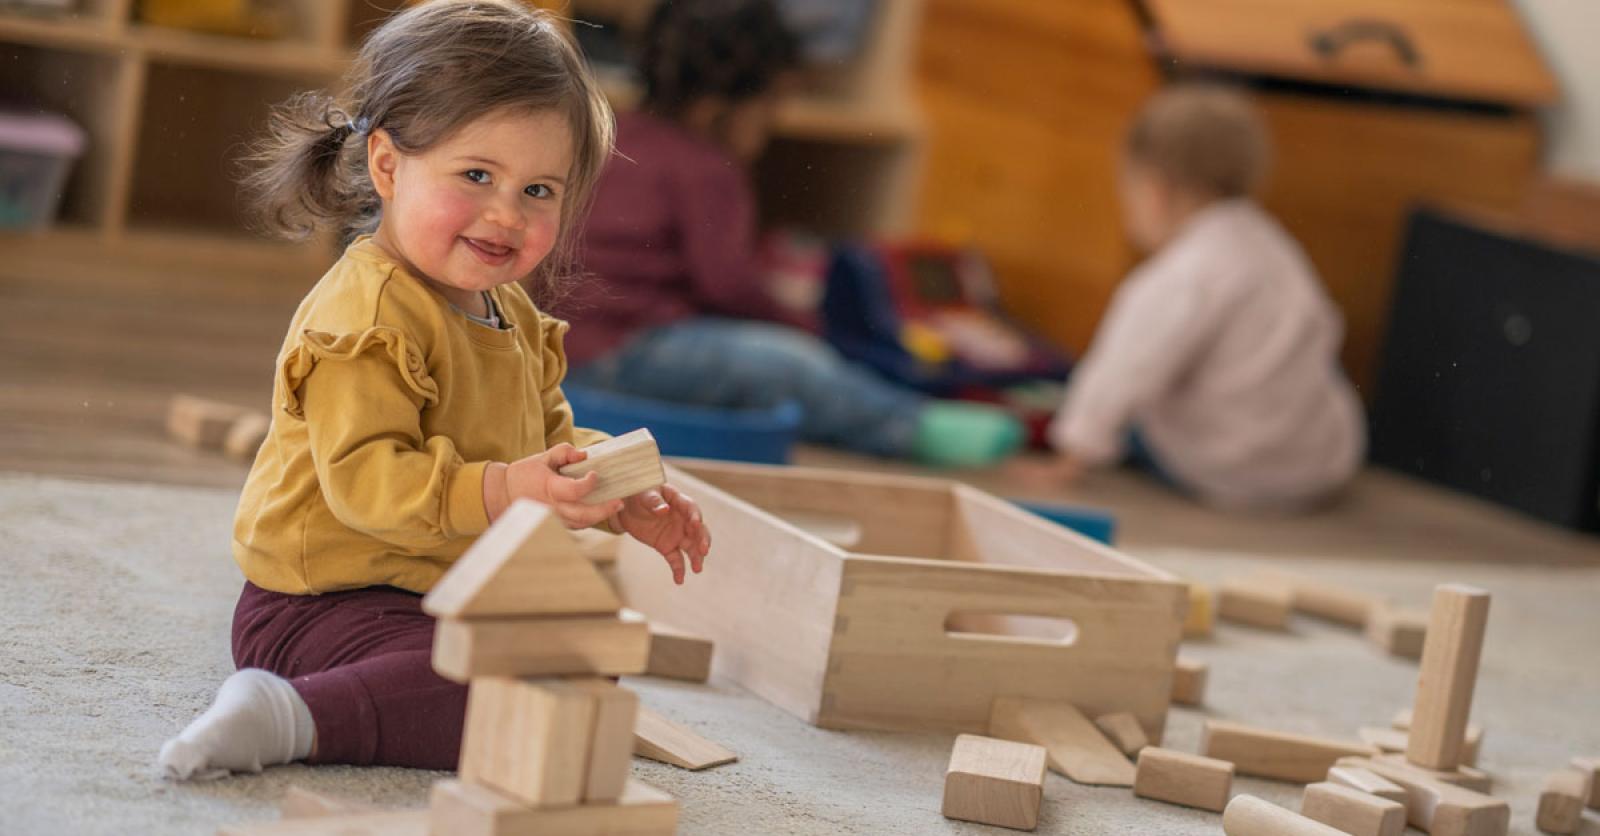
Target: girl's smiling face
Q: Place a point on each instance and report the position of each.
(481, 208)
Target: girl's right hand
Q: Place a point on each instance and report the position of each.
(538, 478)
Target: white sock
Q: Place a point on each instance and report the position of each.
(257, 720)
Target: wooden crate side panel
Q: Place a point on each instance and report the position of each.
(766, 598)
(989, 530)
(899, 515)
(894, 665)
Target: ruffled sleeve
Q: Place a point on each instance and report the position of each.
(316, 346)
(559, 423)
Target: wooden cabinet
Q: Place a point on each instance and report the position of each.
(1374, 106)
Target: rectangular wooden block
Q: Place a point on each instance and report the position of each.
(628, 464)
(1438, 808)
(1189, 681)
(1449, 673)
(1273, 754)
(1462, 776)
(1182, 778)
(611, 741)
(1247, 815)
(1202, 615)
(245, 436)
(659, 739)
(1256, 602)
(1353, 811)
(1123, 730)
(1471, 742)
(1367, 781)
(1384, 739)
(458, 808)
(1562, 801)
(675, 654)
(1073, 746)
(1400, 632)
(1591, 766)
(998, 782)
(1325, 599)
(528, 738)
(463, 649)
(202, 423)
(302, 803)
(407, 823)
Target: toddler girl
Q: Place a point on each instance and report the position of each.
(418, 390)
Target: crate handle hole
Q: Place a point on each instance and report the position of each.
(1015, 628)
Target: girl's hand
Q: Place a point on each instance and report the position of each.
(669, 522)
(538, 478)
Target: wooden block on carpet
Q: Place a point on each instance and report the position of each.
(1073, 746)
(1123, 729)
(1439, 808)
(1273, 754)
(998, 782)
(526, 564)
(1256, 602)
(1202, 616)
(1471, 742)
(1182, 778)
(1449, 673)
(201, 423)
(675, 654)
(463, 649)
(1399, 631)
(461, 809)
(1591, 766)
(407, 823)
(1247, 815)
(1462, 776)
(659, 739)
(302, 803)
(246, 435)
(529, 738)
(1325, 599)
(1189, 681)
(1353, 811)
(1383, 739)
(1562, 800)
(1367, 781)
(628, 464)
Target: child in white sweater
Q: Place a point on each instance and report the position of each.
(1217, 363)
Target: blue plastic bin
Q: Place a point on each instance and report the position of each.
(763, 436)
(1090, 522)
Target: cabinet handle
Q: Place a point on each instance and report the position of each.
(1329, 42)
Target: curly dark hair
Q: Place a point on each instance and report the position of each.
(729, 49)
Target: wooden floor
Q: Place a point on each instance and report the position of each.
(93, 345)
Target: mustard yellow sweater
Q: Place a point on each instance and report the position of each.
(387, 407)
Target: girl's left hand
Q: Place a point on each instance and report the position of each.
(669, 522)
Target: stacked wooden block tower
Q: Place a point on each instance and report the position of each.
(530, 623)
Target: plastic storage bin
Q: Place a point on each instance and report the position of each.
(36, 154)
(763, 436)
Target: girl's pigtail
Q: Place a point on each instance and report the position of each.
(308, 169)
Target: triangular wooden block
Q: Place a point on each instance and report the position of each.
(1074, 747)
(527, 563)
(659, 739)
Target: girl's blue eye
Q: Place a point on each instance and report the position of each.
(538, 190)
(476, 175)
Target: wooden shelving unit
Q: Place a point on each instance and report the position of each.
(167, 109)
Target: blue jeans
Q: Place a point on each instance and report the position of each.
(734, 364)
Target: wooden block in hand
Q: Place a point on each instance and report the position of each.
(1073, 746)
(1367, 781)
(628, 464)
(201, 423)
(1438, 808)
(1189, 681)
(467, 648)
(1273, 754)
(1182, 778)
(1123, 730)
(1591, 766)
(1256, 602)
(1399, 631)
(1449, 673)
(1562, 801)
(458, 808)
(659, 739)
(1247, 815)
(1353, 811)
(675, 654)
(528, 738)
(526, 564)
(998, 782)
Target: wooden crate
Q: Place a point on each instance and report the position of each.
(951, 598)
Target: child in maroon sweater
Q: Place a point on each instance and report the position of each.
(677, 307)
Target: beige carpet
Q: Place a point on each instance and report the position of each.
(114, 635)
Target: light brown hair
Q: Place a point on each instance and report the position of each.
(422, 75)
(1202, 137)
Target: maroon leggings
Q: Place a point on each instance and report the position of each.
(362, 661)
